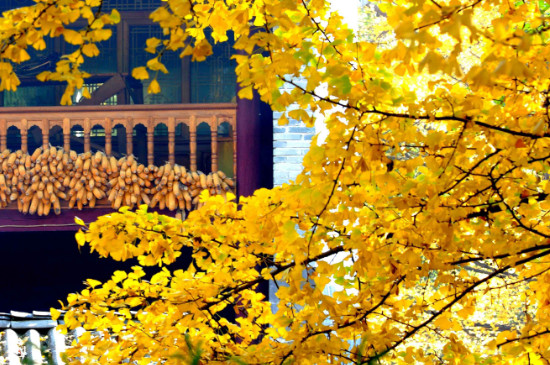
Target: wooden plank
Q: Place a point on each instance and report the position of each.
(14, 221)
(105, 91)
(118, 111)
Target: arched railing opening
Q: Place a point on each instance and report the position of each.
(204, 149)
(77, 139)
(160, 144)
(34, 139)
(182, 145)
(13, 139)
(97, 138)
(118, 140)
(139, 143)
(56, 136)
(225, 148)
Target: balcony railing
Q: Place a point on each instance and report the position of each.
(129, 116)
(57, 157)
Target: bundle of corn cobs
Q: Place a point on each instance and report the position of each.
(40, 181)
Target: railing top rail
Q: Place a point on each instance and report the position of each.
(141, 109)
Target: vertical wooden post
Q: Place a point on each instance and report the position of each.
(45, 133)
(234, 131)
(172, 140)
(108, 136)
(24, 131)
(129, 134)
(150, 142)
(193, 143)
(214, 143)
(66, 134)
(3, 135)
(255, 145)
(87, 129)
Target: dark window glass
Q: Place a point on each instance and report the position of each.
(120, 5)
(170, 83)
(13, 4)
(32, 92)
(214, 80)
(130, 5)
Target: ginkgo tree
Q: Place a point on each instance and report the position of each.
(425, 209)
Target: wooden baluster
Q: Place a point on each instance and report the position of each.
(66, 134)
(172, 140)
(87, 141)
(3, 135)
(129, 134)
(24, 131)
(45, 133)
(108, 136)
(214, 143)
(193, 143)
(87, 128)
(150, 143)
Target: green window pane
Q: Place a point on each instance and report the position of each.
(170, 83)
(214, 80)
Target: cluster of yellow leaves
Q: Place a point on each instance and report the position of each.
(427, 204)
(29, 27)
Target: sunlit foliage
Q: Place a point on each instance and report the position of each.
(426, 204)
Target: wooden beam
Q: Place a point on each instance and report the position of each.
(105, 91)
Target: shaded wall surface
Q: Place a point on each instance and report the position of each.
(39, 268)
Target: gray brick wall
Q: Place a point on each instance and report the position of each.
(290, 144)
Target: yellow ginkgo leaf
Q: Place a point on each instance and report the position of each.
(140, 73)
(154, 87)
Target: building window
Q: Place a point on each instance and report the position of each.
(210, 81)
